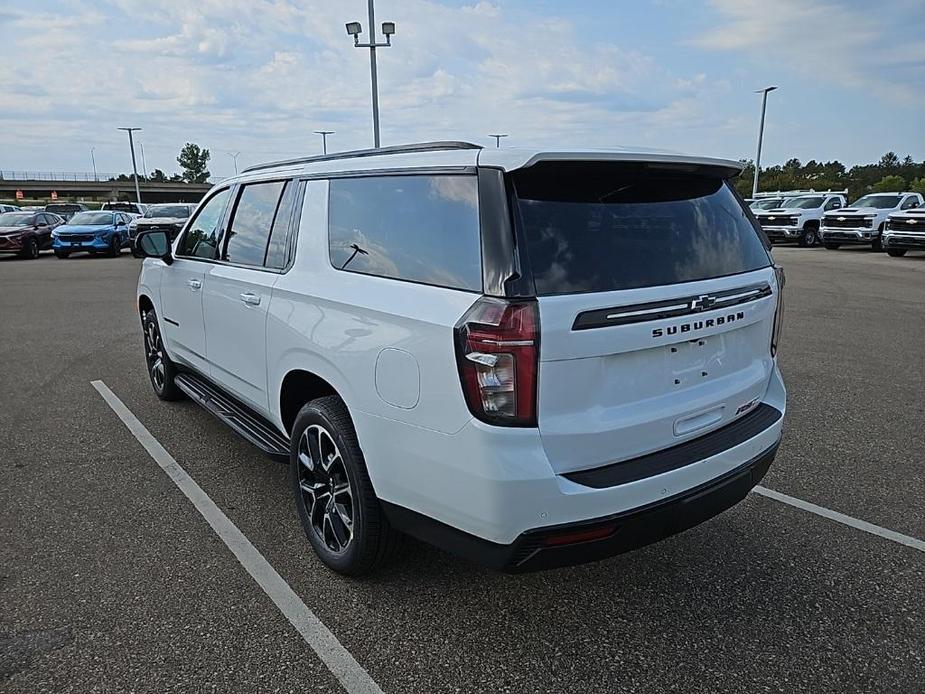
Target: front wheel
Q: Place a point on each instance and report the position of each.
(809, 238)
(115, 247)
(161, 371)
(337, 506)
(896, 252)
(30, 249)
(832, 246)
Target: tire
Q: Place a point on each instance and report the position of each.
(896, 252)
(346, 528)
(30, 249)
(161, 371)
(115, 247)
(809, 237)
(61, 254)
(832, 246)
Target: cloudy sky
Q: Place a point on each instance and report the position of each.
(258, 76)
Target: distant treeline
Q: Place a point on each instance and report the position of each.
(890, 173)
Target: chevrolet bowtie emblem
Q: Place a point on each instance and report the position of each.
(912, 221)
(702, 303)
(841, 219)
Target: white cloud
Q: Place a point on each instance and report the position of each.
(834, 41)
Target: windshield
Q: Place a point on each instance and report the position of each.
(766, 204)
(168, 211)
(803, 203)
(881, 202)
(15, 219)
(606, 227)
(91, 218)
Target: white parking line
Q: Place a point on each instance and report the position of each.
(345, 668)
(842, 518)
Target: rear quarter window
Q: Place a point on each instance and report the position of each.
(418, 228)
(605, 227)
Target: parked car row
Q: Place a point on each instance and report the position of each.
(68, 228)
(813, 218)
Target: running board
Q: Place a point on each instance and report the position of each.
(239, 417)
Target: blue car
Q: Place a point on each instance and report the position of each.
(93, 232)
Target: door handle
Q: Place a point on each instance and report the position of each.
(250, 299)
(194, 284)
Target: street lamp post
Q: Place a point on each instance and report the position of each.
(764, 106)
(324, 139)
(144, 164)
(131, 144)
(354, 29)
(234, 156)
(498, 139)
(93, 162)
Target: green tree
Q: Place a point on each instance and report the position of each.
(889, 183)
(889, 160)
(917, 185)
(194, 162)
(158, 176)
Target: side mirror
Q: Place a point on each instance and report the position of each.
(152, 244)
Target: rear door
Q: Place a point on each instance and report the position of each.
(184, 281)
(656, 298)
(239, 287)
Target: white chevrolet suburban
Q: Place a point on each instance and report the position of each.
(864, 221)
(798, 218)
(530, 358)
(905, 231)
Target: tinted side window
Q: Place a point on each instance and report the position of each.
(277, 250)
(250, 226)
(909, 203)
(201, 238)
(419, 228)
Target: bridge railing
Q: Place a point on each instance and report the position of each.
(57, 176)
(75, 176)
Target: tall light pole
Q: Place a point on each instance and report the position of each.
(324, 139)
(131, 144)
(764, 106)
(144, 165)
(354, 29)
(93, 162)
(234, 156)
(498, 140)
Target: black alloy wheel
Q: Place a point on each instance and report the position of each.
(335, 500)
(161, 371)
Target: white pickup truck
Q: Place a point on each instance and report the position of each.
(798, 218)
(905, 231)
(864, 222)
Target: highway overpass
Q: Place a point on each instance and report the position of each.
(36, 189)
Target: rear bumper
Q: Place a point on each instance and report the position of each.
(488, 494)
(547, 548)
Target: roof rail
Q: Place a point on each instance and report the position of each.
(357, 153)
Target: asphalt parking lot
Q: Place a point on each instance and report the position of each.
(112, 581)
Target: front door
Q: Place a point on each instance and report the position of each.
(239, 288)
(184, 281)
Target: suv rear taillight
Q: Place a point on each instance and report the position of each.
(497, 351)
(779, 312)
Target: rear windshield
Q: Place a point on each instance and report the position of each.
(605, 227)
